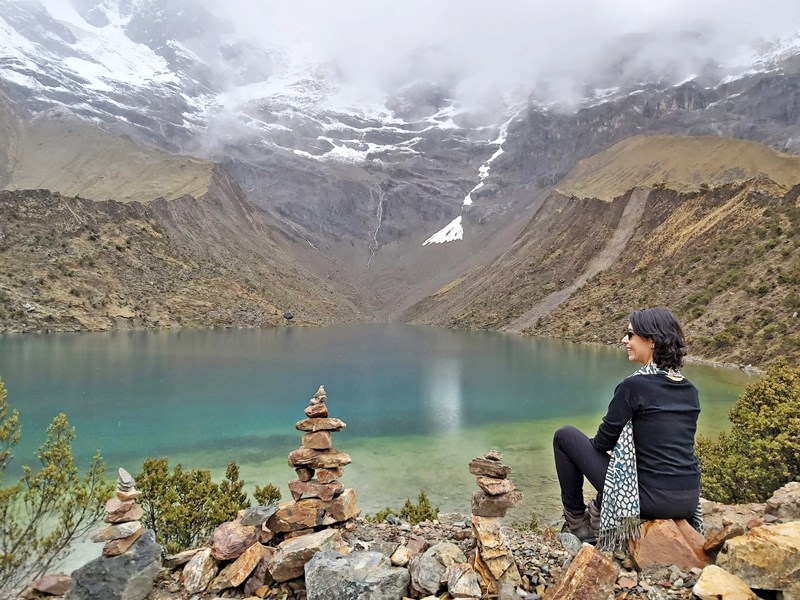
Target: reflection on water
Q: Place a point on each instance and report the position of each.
(419, 402)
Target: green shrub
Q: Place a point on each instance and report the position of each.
(269, 494)
(184, 507)
(413, 513)
(762, 451)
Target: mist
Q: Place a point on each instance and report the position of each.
(554, 49)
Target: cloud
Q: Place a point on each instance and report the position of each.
(481, 47)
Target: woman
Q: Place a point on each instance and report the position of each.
(641, 460)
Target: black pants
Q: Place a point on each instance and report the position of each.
(576, 458)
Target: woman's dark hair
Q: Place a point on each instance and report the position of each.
(660, 325)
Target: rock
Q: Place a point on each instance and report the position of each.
(124, 480)
(462, 581)
(718, 537)
(125, 496)
(570, 543)
(327, 475)
(362, 575)
(321, 424)
(313, 512)
(234, 574)
(181, 558)
(496, 562)
(56, 584)
(129, 576)
(318, 459)
(489, 468)
(428, 569)
(117, 547)
(668, 542)
(200, 571)
(258, 515)
(316, 411)
(417, 544)
(134, 513)
(318, 440)
(385, 548)
(784, 504)
(230, 539)
(305, 474)
(116, 532)
(291, 555)
(116, 508)
(260, 576)
(315, 489)
(717, 584)
(495, 455)
(590, 576)
(401, 556)
(484, 505)
(495, 487)
(766, 558)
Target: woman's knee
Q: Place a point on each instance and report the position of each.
(563, 434)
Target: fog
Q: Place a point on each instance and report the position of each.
(480, 48)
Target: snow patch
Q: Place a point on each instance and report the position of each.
(454, 231)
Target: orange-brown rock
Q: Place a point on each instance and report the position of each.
(260, 578)
(316, 411)
(134, 513)
(129, 495)
(115, 508)
(321, 424)
(715, 583)
(117, 547)
(56, 584)
(485, 505)
(590, 576)
(304, 473)
(318, 440)
(668, 542)
(236, 572)
(315, 489)
(489, 468)
(230, 539)
(318, 459)
(328, 475)
(716, 538)
(313, 512)
(496, 564)
(494, 486)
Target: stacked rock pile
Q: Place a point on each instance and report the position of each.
(122, 515)
(319, 498)
(498, 493)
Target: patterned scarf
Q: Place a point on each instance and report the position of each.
(620, 511)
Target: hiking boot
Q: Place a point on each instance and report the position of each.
(594, 518)
(579, 526)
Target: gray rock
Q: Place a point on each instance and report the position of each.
(129, 576)
(569, 542)
(784, 505)
(358, 575)
(258, 515)
(428, 570)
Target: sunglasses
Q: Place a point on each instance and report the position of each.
(629, 334)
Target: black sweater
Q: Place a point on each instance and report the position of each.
(664, 414)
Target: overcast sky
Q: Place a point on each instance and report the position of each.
(506, 42)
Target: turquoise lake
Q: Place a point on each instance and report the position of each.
(419, 402)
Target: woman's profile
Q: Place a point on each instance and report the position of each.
(641, 460)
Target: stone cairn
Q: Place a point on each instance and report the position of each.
(122, 515)
(494, 561)
(319, 498)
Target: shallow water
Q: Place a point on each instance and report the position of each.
(419, 402)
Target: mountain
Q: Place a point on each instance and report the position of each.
(411, 203)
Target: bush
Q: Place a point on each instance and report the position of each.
(184, 507)
(48, 508)
(413, 513)
(762, 451)
(269, 494)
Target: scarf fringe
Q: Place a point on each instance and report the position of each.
(617, 537)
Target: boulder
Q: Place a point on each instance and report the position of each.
(766, 558)
(236, 572)
(362, 575)
(200, 571)
(668, 542)
(313, 512)
(428, 570)
(784, 504)
(489, 468)
(292, 555)
(129, 576)
(715, 583)
(590, 576)
(230, 539)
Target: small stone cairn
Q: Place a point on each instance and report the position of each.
(498, 493)
(123, 514)
(319, 498)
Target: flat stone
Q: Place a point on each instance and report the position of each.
(715, 583)
(126, 496)
(328, 475)
(181, 558)
(494, 487)
(234, 574)
(115, 506)
(497, 563)
(304, 473)
(56, 584)
(258, 515)
(230, 539)
(116, 532)
(362, 575)
(318, 459)
(321, 424)
(117, 547)
(590, 576)
(260, 577)
(316, 411)
(489, 468)
(716, 538)
(318, 440)
(292, 555)
(485, 505)
(200, 571)
(124, 480)
(315, 489)
(313, 512)
(668, 542)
